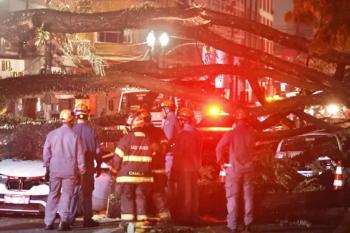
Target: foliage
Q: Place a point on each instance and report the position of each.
(26, 141)
(79, 6)
(64, 42)
(23, 138)
(41, 36)
(330, 18)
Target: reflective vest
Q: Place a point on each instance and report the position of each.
(134, 155)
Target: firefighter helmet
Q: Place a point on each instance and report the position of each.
(240, 114)
(185, 113)
(144, 113)
(135, 120)
(168, 103)
(81, 110)
(66, 116)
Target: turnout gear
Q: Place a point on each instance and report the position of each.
(159, 145)
(66, 116)
(132, 160)
(63, 155)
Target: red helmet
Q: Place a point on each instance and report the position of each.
(185, 113)
(168, 103)
(240, 114)
(135, 120)
(144, 113)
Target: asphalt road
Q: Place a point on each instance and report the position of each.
(34, 224)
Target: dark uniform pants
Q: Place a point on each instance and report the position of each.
(134, 201)
(187, 197)
(83, 195)
(235, 182)
(60, 195)
(159, 197)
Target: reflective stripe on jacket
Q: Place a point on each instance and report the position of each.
(133, 156)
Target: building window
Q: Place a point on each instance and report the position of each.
(111, 37)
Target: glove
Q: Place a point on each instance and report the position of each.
(47, 175)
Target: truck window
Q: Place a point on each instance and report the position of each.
(133, 101)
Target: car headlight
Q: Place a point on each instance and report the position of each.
(3, 179)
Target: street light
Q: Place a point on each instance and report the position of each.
(157, 42)
(151, 39)
(164, 39)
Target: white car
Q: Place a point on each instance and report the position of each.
(294, 147)
(24, 190)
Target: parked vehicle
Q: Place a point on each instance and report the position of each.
(294, 147)
(23, 188)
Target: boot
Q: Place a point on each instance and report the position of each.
(90, 223)
(49, 227)
(64, 226)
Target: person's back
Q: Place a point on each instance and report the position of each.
(63, 145)
(187, 162)
(241, 147)
(88, 137)
(187, 150)
(240, 175)
(63, 158)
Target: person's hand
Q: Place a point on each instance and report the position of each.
(47, 175)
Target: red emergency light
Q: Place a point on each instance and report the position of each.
(214, 110)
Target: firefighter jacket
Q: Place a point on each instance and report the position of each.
(133, 158)
(241, 142)
(187, 151)
(90, 144)
(63, 153)
(159, 144)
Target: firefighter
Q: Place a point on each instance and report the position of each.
(92, 152)
(159, 145)
(63, 157)
(171, 128)
(132, 161)
(239, 178)
(187, 162)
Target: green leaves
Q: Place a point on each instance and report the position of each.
(41, 36)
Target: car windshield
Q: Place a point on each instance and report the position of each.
(302, 143)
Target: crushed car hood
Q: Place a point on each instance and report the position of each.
(22, 168)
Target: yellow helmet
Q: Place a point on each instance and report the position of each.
(66, 116)
(81, 110)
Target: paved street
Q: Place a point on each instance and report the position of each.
(34, 224)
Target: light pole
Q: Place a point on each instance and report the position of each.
(157, 43)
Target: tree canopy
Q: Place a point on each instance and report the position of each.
(197, 24)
